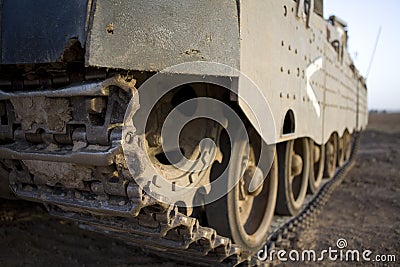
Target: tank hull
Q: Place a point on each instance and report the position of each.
(72, 71)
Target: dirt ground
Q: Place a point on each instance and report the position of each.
(364, 210)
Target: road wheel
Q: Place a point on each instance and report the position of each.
(347, 146)
(293, 162)
(242, 215)
(330, 157)
(317, 161)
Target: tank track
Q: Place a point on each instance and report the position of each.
(145, 222)
(133, 216)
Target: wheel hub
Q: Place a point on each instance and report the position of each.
(316, 154)
(297, 165)
(253, 181)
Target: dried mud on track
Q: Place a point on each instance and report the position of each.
(364, 209)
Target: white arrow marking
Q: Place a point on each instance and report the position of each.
(311, 69)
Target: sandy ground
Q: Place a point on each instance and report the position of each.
(365, 210)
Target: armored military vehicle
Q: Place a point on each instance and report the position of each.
(75, 76)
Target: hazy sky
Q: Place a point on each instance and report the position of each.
(364, 17)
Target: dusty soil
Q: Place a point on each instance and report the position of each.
(365, 210)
